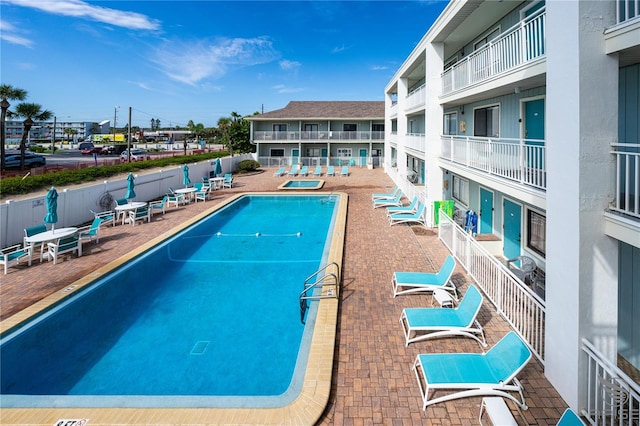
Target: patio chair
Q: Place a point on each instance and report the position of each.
(293, 171)
(331, 171)
(121, 202)
(469, 375)
(421, 282)
(203, 194)
(524, 270)
(279, 172)
(141, 213)
(64, 245)
(304, 171)
(390, 202)
(386, 196)
(411, 208)
(345, 171)
(228, 181)
(431, 323)
(33, 230)
(107, 216)
(318, 170)
(11, 256)
(570, 418)
(415, 217)
(175, 198)
(159, 205)
(88, 233)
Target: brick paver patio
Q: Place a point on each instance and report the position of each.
(373, 382)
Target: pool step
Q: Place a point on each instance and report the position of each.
(200, 347)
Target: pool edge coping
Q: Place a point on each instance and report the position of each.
(307, 407)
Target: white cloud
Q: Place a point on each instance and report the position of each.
(191, 62)
(339, 49)
(379, 68)
(281, 88)
(81, 9)
(10, 34)
(289, 65)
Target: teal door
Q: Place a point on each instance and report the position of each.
(534, 129)
(363, 157)
(295, 154)
(324, 154)
(512, 229)
(486, 212)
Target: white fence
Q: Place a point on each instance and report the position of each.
(523, 43)
(74, 203)
(612, 397)
(416, 98)
(518, 304)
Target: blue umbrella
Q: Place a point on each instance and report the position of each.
(52, 208)
(217, 169)
(185, 179)
(130, 185)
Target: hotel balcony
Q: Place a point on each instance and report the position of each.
(518, 160)
(416, 99)
(415, 142)
(517, 48)
(319, 136)
(622, 219)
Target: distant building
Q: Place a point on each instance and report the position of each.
(41, 131)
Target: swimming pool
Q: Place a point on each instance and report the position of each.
(306, 184)
(181, 257)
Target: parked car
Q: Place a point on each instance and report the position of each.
(12, 161)
(136, 155)
(84, 146)
(95, 149)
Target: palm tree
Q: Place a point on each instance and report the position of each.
(7, 92)
(223, 127)
(29, 112)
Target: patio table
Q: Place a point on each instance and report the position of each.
(187, 191)
(54, 234)
(124, 208)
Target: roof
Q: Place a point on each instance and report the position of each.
(373, 110)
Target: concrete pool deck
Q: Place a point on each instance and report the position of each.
(371, 381)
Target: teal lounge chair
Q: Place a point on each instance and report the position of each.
(279, 172)
(420, 282)
(570, 418)
(318, 171)
(331, 171)
(469, 375)
(415, 217)
(304, 171)
(390, 202)
(345, 171)
(411, 208)
(383, 196)
(430, 323)
(293, 171)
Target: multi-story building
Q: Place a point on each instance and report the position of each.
(320, 132)
(528, 113)
(72, 131)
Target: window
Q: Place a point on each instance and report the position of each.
(537, 232)
(349, 127)
(310, 127)
(486, 121)
(276, 152)
(313, 152)
(460, 190)
(279, 127)
(377, 127)
(450, 125)
(344, 152)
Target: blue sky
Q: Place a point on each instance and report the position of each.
(201, 60)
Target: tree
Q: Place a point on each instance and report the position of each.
(239, 134)
(29, 112)
(69, 131)
(7, 92)
(223, 130)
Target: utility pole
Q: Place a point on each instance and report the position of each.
(129, 137)
(53, 136)
(115, 120)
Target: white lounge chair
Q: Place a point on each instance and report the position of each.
(415, 217)
(469, 375)
(386, 196)
(390, 202)
(420, 282)
(430, 323)
(411, 208)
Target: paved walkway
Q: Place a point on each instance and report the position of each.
(373, 381)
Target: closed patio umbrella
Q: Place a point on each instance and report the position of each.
(130, 185)
(217, 169)
(185, 180)
(52, 208)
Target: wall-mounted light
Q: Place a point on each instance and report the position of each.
(517, 90)
(462, 110)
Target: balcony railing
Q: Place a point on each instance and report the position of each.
(416, 98)
(415, 142)
(319, 136)
(522, 308)
(627, 179)
(287, 161)
(523, 43)
(613, 398)
(520, 160)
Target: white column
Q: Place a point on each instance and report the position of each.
(433, 120)
(582, 105)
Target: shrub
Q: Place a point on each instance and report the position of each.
(248, 165)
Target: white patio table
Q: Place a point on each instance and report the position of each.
(187, 191)
(124, 208)
(216, 182)
(54, 234)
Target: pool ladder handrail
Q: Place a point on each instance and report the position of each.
(329, 278)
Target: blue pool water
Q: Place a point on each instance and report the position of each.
(308, 183)
(214, 311)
